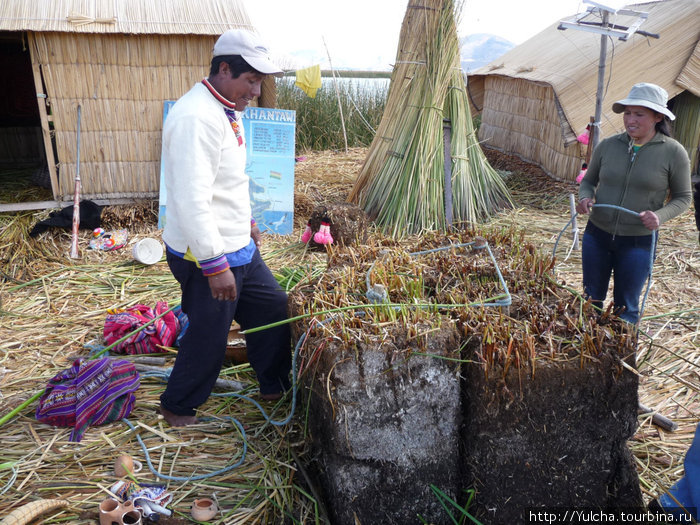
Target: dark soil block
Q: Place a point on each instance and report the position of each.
(553, 439)
(348, 223)
(386, 429)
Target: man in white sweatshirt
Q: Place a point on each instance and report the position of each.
(212, 241)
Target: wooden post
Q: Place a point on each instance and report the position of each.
(42, 98)
(589, 146)
(447, 145)
(595, 127)
(337, 93)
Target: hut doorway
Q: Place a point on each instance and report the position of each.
(24, 174)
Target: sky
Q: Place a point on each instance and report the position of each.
(364, 34)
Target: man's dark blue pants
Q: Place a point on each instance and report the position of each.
(260, 301)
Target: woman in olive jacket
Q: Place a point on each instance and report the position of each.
(636, 171)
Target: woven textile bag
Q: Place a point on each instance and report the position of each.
(162, 332)
(89, 393)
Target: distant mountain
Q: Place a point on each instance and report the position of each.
(479, 49)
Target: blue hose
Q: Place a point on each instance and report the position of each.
(238, 424)
(164, 375)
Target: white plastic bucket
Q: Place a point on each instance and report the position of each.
(147, 251)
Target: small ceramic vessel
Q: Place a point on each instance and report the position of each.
(110, 512)
(114, 513)
(133, 517)
(203, 509)
(123, 465)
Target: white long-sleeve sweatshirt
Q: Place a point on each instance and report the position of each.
(208, 204)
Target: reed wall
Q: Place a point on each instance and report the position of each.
(120, 82)
(522, 118)
(686, 127)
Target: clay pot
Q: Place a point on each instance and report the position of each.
(112, 512)
(203, 509)
(121, 465)
(133, 517)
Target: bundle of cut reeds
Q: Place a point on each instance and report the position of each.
(402, 182)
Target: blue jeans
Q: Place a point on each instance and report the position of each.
(260, 301)
(627, 258)
(687, 490)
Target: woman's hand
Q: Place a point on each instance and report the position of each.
(584, 205)
(650, 220)
(223, 286)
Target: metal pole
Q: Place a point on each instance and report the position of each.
(595, 127)
(574, 222)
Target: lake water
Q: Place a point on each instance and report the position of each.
(362, 84)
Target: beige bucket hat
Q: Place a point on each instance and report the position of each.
(648, 95)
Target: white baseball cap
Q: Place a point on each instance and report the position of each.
(648, 95)
(249, 46)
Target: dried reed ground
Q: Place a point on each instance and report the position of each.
(45, 323)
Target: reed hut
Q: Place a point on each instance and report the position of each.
(537, 98)
(119, 60)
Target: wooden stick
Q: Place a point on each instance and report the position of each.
(589, 146)
(76, 199)
(337, 94)
(447, 147)
(658, 419)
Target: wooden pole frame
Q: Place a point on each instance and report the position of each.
(43, 101)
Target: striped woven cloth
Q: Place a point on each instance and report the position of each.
(89, 393)
(161, 332)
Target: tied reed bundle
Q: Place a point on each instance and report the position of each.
(402, 182)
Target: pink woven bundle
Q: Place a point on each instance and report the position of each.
(161, 332)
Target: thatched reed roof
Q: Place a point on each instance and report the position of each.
(566, 62)
(690, 76)
(210, 17)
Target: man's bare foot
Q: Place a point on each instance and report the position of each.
(271, 397)
(175, 420)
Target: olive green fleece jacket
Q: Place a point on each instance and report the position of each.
(637, 182)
